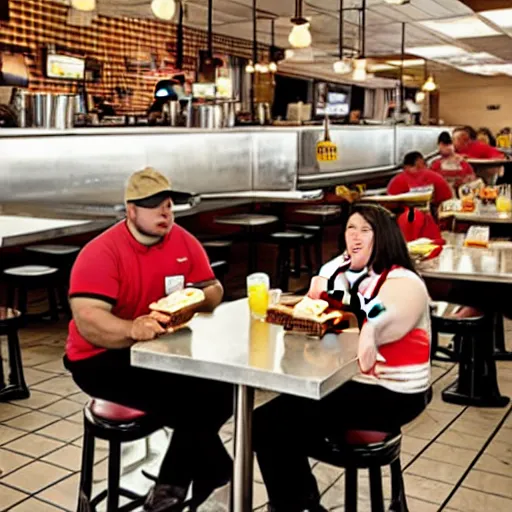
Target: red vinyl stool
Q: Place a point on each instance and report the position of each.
(363, 449)
(116, 424)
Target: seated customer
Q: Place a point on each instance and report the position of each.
(113, 281)
(466, 144)
(392, 304)
(416, 175)
(452, 167)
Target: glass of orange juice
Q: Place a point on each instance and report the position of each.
(258, 285)
(503, 204)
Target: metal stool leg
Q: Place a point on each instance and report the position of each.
(351, 489)
(17, 388)
(114, 476)
(376, 496)
(398, 500)
(86, 472)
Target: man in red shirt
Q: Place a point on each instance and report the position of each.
(416, 175)
(115, 278)
(452, 167)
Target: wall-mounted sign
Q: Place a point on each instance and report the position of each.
(326, 150)
(203, 90)
(13, 70)
(64, 67)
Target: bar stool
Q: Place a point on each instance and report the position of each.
(61, 257)
(361, 449)
(116, 424)
(30, 277)
(288, 242)
(477, 382)
(10, 321)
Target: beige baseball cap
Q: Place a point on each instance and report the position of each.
(147, 188)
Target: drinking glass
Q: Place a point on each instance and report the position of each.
(258, 285)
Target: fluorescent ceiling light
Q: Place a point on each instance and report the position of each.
(380, 67)
(397, 2)
(471, 58)
(488, 69)
(500, 17)
(459, 28)
(408, 63)
(436, 51)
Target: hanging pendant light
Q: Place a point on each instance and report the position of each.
(420, 97)
(359, 73)
(163, 9)
(83, 5)
(300, 36)
(429, 85)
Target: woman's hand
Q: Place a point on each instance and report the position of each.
(317, 286)
(367, 348)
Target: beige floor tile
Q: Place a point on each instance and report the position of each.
(79, 398)
(34, 445)
(461, 440)
(467, 500)
(56, 366)
(436, 470)
(8, 434)
(63, 494)
(78, 418)
(9, 497)
(33, 376)
(496, 459)
(34, 505)
(9, 411)
(429, 425)
(68, 457)
(450, 454)
(416, 505)
(474, 428)
(63, 430)
(61, 385)
(31, 421)
(326, 475)
(489, 483)
(38, 399)
(35, 477)
(10, 462)
(63, 408)
(438, 404)
(36, 356)
(490, 416)
(425, 489)
(504, 436)
(412, 445)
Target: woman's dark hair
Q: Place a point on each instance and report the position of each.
(411, 158)
(444, 138)
(389, 247)
(468, 129)
(490, 136)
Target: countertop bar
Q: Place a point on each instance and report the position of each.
(228, 346)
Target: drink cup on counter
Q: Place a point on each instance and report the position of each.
(258, 285)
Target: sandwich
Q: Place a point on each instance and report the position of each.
(310, 316)
(179, 306)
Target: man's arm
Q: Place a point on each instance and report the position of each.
(213, 297)
(96, 323)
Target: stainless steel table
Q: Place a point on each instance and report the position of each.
(478, 217)
(17, 230)
(229, 346)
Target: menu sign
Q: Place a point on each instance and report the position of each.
(65, 67)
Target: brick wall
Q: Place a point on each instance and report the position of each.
(36, 23)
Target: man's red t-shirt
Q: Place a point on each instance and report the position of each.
(117, 269)
(480, 150)
(456, 173)
(407, 180)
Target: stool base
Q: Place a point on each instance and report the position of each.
(452, 394)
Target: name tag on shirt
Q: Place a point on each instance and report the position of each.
(450, 166)
(174, 283)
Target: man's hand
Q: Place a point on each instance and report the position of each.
(367, 348)
(145, 328)
(317, 286)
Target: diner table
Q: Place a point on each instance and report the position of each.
(229, 346)
(481, 278)
(18, 230)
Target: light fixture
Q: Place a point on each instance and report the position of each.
(430, 85)
(410, 63)
(164, 9)
(359, 73)
(250, 68)
(500, 17)
(83, 5)
(342, 67)
(488, 69)
(272, 67)
(397, 2)
(462, 27)
(436, 51)
(420, 97)
(300, 36)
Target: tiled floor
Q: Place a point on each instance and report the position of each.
(454, 458)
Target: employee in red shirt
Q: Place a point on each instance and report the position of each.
(416, 175)
(452, 167)
(115, 278)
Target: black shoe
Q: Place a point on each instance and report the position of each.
(165, 498)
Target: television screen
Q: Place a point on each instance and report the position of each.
(332, 99)
(64, 67)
